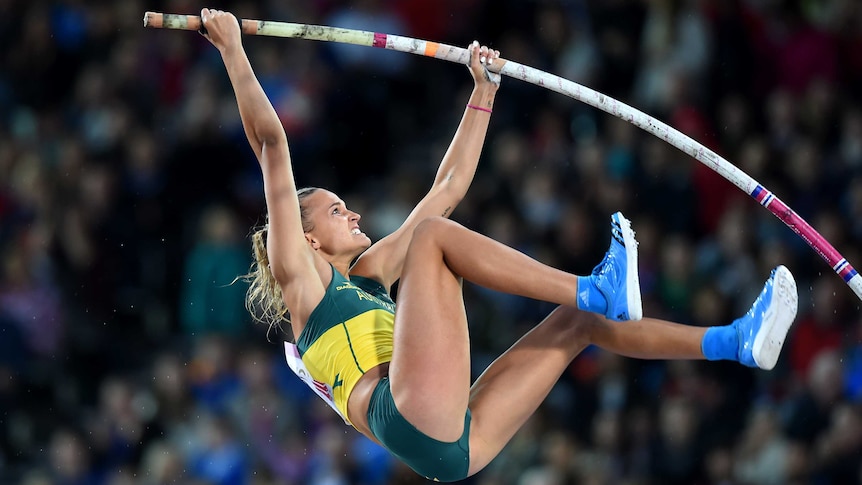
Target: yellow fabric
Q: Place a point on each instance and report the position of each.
(346, 351)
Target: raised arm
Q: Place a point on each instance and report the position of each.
(291, 261)
(383, 261)
(458, 167)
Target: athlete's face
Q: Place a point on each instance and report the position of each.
(335, 229)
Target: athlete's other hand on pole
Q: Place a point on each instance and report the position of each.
(481, 57)
(222, 28)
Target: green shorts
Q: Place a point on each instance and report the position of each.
(435, 460)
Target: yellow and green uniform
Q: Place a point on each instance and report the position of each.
(348, 333)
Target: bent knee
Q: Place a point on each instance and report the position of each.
(434, 225)
(433, 229)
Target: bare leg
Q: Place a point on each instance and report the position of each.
(513, 386)
(649, 338)
(493, 265)
(430, 367)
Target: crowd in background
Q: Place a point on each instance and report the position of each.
(127, 192)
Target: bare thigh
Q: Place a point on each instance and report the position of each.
(430, 367)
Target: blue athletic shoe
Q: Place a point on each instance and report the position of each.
(616, 277)
(762, 330)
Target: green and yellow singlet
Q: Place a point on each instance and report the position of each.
(348, 333)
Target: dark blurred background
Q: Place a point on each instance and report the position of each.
(127, 192)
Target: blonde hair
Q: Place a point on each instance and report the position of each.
(264, 299)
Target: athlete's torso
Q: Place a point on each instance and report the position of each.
(347, 334)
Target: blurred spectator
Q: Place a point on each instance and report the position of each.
(29, 298)
(170, 385)
(162, 464)
(675, 49)
(802, 52)
(677, 453)
(219, 457)
(762, 454)
(666, 182)
(726, 261)
(807, 413)
(603, 462)
(70, 459)
(328, 463)
(556, 465)
(213, 378)
(676, 283)
(838, 451)
(719, 466)
(265, 420)
(818, 329)
(211, 300)
(120, 426)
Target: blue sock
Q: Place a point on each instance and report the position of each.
(590, 299)
(720, 343)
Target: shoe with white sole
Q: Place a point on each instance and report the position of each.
(763, 329)
(616, 276)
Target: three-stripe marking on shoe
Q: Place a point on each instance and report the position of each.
(617, 232)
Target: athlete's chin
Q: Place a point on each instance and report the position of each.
(361, 248)
(363, 241)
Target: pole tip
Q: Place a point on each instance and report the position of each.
(153, 19)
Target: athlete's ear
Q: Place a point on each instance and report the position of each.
(314, 243)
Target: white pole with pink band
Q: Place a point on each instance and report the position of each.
(459, 55)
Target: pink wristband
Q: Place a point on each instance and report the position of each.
(473, 106)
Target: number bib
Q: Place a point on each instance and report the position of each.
(322, 389)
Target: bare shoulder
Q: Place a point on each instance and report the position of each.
(371, 264)
(303, 293)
